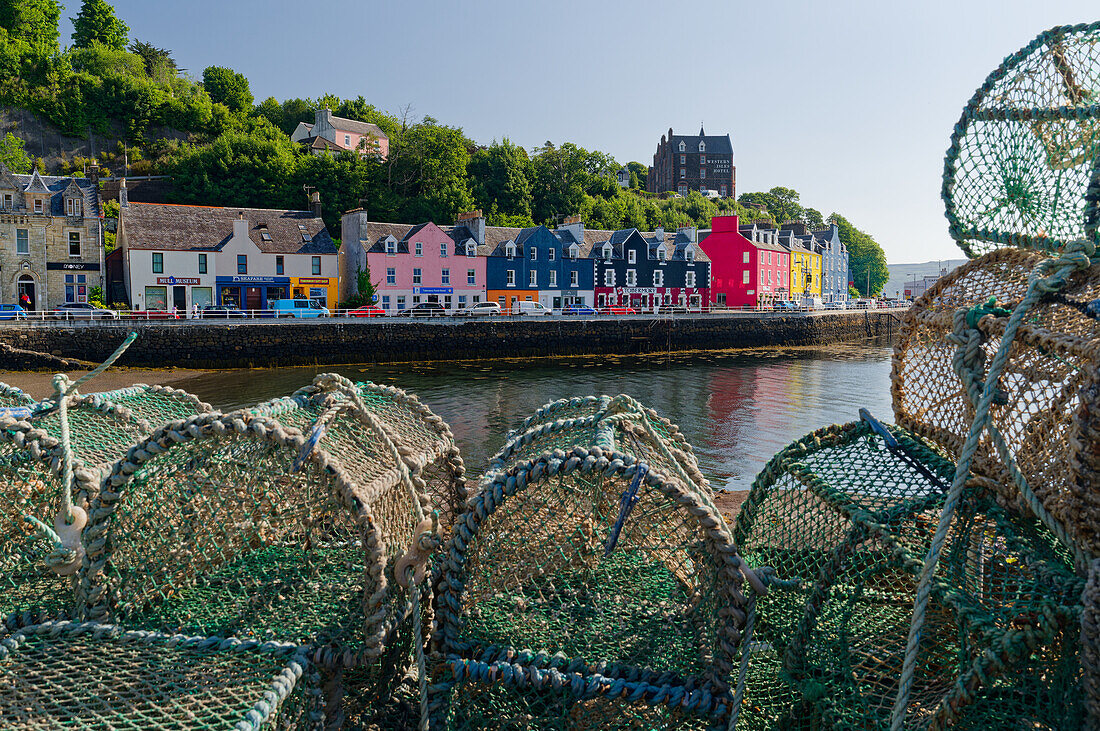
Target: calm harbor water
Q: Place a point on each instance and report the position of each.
(737, 408)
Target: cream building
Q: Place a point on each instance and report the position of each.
(51, 236)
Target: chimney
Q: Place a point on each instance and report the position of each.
(689, 231)
(474, 221)
(315, 203)
(92, 173)
(123, 195)
(659, 234)
(240, 227)
(574, 225)
(798, 227)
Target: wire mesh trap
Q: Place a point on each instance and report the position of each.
(851, 509)
(591, 582)
(1045, 410)
(1023, 167)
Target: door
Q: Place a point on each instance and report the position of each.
(179, 298)
(27, 297)
(253, 298)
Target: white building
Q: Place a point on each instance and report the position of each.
(180, 256)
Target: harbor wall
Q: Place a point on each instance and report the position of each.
(323, 342)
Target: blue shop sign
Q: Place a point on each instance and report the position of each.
(433, 290)
(250, 279)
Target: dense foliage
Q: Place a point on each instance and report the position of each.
(223, 150)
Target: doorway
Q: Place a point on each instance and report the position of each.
(179, 298)
(253, 299)
(27, 298)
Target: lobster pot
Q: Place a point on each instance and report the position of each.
(1023, 168)
(12, 397)
(31, 471)
(563, 605)
(1048, 394)
(853, 519)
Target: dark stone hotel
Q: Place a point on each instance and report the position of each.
(694, 162)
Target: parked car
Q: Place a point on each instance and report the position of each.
(618, 310)
(426, 309)
(836, 305)
(149, 315)
(12, 312)
(82, 311)
(367, 311)
(222, 312)
(479, 309)
(577, 310)
(520, 307)
(302, 308)
(785, 306)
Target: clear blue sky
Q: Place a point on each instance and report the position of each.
(850, 103)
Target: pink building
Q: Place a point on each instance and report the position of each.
(422, 263)
(336, 134)
(749, 267)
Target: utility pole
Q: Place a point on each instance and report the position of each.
(868, 281)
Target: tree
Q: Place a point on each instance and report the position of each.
(813, 218)
(32, 21)
(865, 257)
(500, 179)
(781, 203)
(226, 86)
(12, 154)
(564, 175)
(97, 23)
(159, 64)
(639, 175)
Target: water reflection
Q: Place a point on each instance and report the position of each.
(736, 407)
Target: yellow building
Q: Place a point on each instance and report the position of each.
(805, 272)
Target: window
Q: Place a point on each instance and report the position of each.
(660, 253)
(391, 247)
(702, 159)
(279, 265)
(202, 263)
(72, 207)
(745, 258)
(682, 189)
(74, 243)
(22, 245)
(418, 275)
(391, 276)
(8, 203)
(683, 147)
(607, 252)
(533, 278)
(631, 257)
(471, 276)
(702, 173)
(158, 262)
(553, 278)
(265, 234)
(242, 263)
(658, 278)
(550, 254)
(574, 278)
(347, 140)
(419, 248)
(769, 257)
(631, 278)
(689, 279)
(316, 268)
(745, 277)
(534, 253)
(462, 300)
(573, 251)
(38, 205)
(511, 277)
(443, 251)
(683, 173)
(722, 191)
(400, 301)
(702, 146)
(689, 254)
(156, 298)
(385, 302)
(609, 278)
(446, 276)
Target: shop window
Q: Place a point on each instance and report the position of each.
(242, 263)
(158, 262)
(202, 263)
(391, 276)
(385, 302)
(74, 244)
(156, 298)
(316, 268)
(279, 267)
(462, 300)
(418, 275)
(401, 302)
(22, 244)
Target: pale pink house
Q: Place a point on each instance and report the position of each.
(409, 265)
(337, 134)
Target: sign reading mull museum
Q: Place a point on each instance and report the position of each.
(178, 280)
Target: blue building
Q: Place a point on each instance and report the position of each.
(642, 272)
(834, 264)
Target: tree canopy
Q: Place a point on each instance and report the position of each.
(12, 154)
(228, 87)
(865, 257)
(96, 23)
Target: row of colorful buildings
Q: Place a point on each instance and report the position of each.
(182, 256)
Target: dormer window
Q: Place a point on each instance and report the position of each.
(8, 202)
(38, 206)
(574, 251)
(391, 247)
(607, 252)
(702, 146)
(660, 253)
(471, 250)
(689, 254)
(510, 250)
(683, 147)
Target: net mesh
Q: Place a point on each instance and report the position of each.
(1045, 408)
(853, 519)
(564, 604)
(1023, 168)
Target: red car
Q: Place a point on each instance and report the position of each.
(618, 310)
(367, 311)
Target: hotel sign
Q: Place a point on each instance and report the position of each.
(178, 280)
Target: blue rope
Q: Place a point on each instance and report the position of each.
(626, 504)
(898, 449)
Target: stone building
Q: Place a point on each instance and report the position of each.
(51, 236)
(699, 162)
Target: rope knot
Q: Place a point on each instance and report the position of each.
(989, 307)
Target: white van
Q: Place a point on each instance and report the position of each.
(529, 308)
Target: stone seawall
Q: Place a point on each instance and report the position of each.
(283, 343)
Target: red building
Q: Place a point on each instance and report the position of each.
(749, 267)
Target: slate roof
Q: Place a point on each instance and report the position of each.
(320, 143)
(56, 187)
(170, 226)
(344, 124)
(716, 144)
